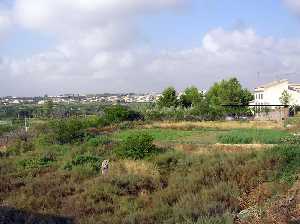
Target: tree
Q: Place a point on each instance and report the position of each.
(285, 98)
(168, 98)
(191, 97)
(229, 92)
(49, 106)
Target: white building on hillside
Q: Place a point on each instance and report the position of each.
(270, 93)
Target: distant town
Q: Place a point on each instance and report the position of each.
(79, 98)
(267, 94)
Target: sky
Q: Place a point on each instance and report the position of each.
(96, 46)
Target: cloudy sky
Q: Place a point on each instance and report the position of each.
(96, 46)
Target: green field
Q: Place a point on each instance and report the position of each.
(210, 136)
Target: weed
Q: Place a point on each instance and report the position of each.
(90, 161)
(249, 136)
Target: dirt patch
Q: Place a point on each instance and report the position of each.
(224, 125)
(242, 147)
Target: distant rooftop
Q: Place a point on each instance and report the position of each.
(274, 83)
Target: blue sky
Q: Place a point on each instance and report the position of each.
(267, 17)
(83, 46)
(183, 28)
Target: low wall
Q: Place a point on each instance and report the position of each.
(278, 115)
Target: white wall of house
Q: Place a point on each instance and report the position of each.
(270, 94)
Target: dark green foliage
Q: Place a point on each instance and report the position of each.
(191, 97)
(6, 128)
(118, 113)
(43, 161)
(84, 160)
(228, 92)
(249, 136)
(168, 98)
(172, 113)
(288, 158)
(136, 146)
(66, 131)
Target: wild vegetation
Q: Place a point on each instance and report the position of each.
(159, 171)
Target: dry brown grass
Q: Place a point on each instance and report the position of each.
(224, 125)
(213, 148)
(284, 210)
(135, 167)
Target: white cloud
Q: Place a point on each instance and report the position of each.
(294, 5)
(222, 54)
(98, 51)
(68, 17)
(5, 23)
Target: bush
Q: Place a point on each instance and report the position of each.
(95, 122)
(291, 140)
(67, 131)
(132, 184)
(20, 146)
(118, 113)
(136, 146)
(6, 128)
(289, 161)
(43, 161)
(84, 160)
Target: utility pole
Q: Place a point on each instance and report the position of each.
(26, 125)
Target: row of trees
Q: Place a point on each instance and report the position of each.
(212, 104)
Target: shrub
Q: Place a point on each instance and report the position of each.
(288, 158)
(98, 141)
(84, 160)
(20, 146)
(118, 113)
(67, 130)
(291, 140)
(95, 122)
(43, 161)
(132, 184)
(136, 146)
(5, 128)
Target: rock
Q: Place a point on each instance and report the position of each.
(247, 213)
(105, 167)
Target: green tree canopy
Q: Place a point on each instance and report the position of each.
(191, 97)
(229, 92)
(168, 98)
